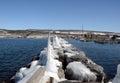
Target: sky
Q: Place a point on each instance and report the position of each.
(97, 15)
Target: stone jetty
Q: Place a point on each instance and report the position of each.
(60, 62)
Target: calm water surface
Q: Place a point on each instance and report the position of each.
(106, 55)
(15, 53)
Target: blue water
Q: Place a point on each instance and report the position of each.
(106, 55)
(15, 53)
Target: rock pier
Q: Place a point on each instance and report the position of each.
(60, 62)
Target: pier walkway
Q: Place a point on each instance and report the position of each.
(37, 76)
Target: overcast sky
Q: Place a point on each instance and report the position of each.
(100, 15)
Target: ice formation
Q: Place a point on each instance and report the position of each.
(51, 65)
(117, 76)
(78, 71)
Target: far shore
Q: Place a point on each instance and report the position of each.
(97, 36)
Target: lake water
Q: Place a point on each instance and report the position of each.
(106, 55)
(15, 53)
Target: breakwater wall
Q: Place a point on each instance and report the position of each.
(58, 63)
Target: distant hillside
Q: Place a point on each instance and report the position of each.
(33, 33)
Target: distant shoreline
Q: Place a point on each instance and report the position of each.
(44, 33)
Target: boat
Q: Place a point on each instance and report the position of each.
(82, 39)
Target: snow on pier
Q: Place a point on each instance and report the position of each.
(60, 62)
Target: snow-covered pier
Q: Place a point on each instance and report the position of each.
(60, 62)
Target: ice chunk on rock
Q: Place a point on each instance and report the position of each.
(34, 63)
(78, 71)
(18, 76)
(117, 76)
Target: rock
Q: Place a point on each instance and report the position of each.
(89, 63)
(18, 76)
(12, 80)
(61, 57)
(61, 73)
(74, 49)
(98, 70)
(75, 81)
(78, 71)
(34, 63)
(35, 58)
(79, 57)
(27, 66)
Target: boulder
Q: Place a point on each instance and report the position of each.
(35, 58)
(78, 71)
(61, 73)
(89, 63)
